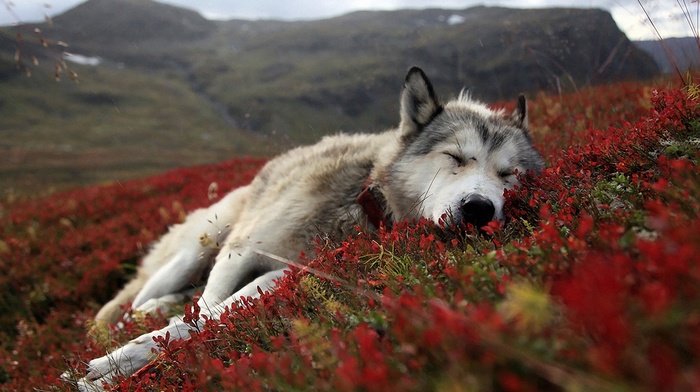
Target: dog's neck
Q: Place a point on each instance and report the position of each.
(373, 205)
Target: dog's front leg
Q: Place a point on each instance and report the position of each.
(136, 354)
(265, 283)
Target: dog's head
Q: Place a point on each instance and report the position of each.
(455, 160)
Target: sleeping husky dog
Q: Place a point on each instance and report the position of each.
(449, 161)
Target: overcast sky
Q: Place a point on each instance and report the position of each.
(667, 15)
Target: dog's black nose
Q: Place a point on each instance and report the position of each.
(478, 211)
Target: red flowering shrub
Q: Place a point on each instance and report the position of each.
(593, 283)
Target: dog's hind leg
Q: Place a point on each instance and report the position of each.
(177, 273)
(112, 311)
(179, 259)
(164, 271)
(139, 352)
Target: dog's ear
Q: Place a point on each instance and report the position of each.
(419, 105)
(519, 116)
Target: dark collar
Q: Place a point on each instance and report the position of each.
(372, 206)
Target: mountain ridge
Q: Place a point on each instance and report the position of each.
(134, 21)
(680, 52)
(258, 87)
(342, 72)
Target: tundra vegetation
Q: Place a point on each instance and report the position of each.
(593, 283)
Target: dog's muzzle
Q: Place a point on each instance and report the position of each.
(477, 211)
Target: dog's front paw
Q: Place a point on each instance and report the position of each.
(160, 305)
(84, 385)
(123, 361)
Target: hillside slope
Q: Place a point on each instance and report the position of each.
(343, 71)
(302, 79)
(257, 87)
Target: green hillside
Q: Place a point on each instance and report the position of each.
(175, 89)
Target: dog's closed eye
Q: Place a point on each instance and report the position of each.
(459, 159)
(505, 173)
(456, 158)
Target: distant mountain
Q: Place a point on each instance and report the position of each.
(296, 78)
(119, 25)
(299, 80)
(673, 52)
